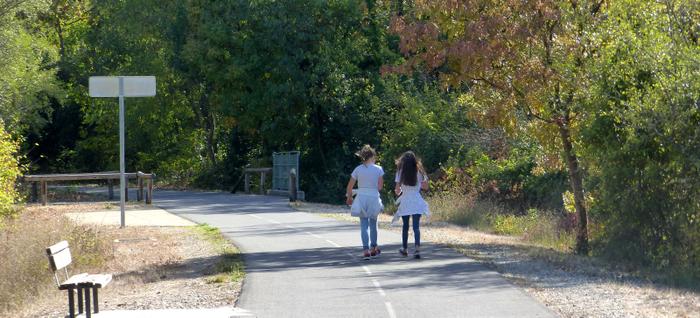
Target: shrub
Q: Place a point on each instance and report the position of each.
(9, 173)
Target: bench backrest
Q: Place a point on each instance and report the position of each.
(59, 255)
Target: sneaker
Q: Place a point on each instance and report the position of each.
(375, 251)
(416, 255)
(366, 256)
(403, 252)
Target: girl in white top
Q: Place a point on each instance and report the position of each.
(367, 204)
(410, 180)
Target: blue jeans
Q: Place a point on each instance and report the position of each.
(366, 223)
(416, 230)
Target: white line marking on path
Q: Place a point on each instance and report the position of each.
(375, 282)
(379, 287)
(333, 243)
(390, 309)
(314, 235)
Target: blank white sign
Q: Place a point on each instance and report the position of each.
(134, 86)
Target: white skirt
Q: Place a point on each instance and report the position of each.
(366, 206)
(412, 203)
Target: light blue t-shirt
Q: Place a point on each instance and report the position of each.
(367, 176)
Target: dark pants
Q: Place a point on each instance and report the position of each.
(416, 230)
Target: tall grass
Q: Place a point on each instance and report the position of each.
(541, 227)
(24, 268)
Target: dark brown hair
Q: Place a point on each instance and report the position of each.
(366, 153)
(410, 166)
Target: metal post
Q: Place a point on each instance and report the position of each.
(80, 300)
(88, 307)
(247, 183)
(292, 185)
(95, 305)
(122, 168)
(71, 303)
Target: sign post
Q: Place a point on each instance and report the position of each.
(121, 87)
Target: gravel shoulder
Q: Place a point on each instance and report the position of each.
(569, 285)
(153, 268)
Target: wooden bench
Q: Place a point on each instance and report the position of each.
(84, 284)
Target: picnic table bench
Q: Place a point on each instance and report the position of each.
(42, 180)
(85, 284)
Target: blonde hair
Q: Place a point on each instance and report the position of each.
(366, 153)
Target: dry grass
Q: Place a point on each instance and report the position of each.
(538, 227)
(24, 270)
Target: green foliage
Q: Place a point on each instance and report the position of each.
(518, 181)
(26, 80)
(9, 173)
(643, 144)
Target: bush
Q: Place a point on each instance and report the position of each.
(9, 173)
(518, 182)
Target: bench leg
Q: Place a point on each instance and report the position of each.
(88, 312)
(95, 303)
(80, 300)
(71, 304)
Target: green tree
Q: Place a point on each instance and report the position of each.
(524, 63)
(27, 81)
(642, 141)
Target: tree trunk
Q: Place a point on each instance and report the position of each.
(205, 120)
(576, 181)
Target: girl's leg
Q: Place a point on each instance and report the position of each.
(364, 223)
(404, 231)
(373, 232)
(416, 230)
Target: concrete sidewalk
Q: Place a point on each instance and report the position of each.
(134, 217)
(223, 312)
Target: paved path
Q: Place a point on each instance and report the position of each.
(302, 265)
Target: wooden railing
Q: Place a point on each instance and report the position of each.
(42, 180)
(293, 193)
(262, 172)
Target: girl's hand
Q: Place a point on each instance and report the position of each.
(349, 200)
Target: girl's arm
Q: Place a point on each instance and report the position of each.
(380, 184)
(397, 188)
(424, 185)
(348, 191)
